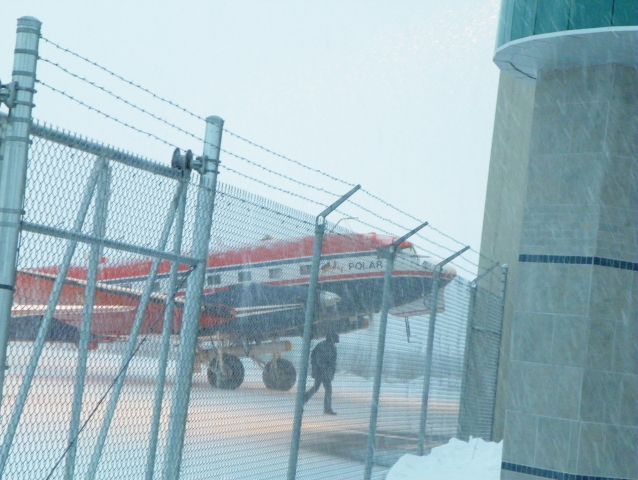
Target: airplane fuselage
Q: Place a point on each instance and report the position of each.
(252, 293)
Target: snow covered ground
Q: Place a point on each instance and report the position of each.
(457, 460)
(240, 434)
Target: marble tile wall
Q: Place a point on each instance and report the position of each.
(504, 205)
(572, 383)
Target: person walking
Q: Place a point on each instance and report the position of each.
(323, 362)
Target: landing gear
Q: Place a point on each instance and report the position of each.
(225, 370)
(229, 375)
(279, 374)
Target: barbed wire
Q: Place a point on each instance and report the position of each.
(120, 77)
(404, 228)
(178, 128)
(274, 187)
(237, 172)
(420, 247)
(352, 202)
(186, 110)
(264, 207)
(288, 159)
(111, 117)
(122, 99)
(350, 184)
(106, 115)
(346, 214)
(363, 190)
(248, 141)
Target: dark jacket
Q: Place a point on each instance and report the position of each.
(323, 360)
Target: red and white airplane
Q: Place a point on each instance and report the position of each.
(253, 297)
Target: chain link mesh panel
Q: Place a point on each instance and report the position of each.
(63, 207)
(255, 288)
(481, 365)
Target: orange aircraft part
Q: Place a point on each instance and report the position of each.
(115, 307)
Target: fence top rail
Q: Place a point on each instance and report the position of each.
(95, 148)
(117, 245)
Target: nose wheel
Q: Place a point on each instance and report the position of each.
(228, 375)
(279, 374)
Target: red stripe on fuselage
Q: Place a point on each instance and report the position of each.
(268, 251)
(327, 279)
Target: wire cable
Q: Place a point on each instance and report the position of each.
(121, 99)
(237, 172)
(374, 227)
(274, 187)
(119, 77)
(106, 115)
(242, 138)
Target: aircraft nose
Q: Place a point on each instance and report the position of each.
(328, 299)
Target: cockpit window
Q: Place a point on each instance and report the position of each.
(409, 251)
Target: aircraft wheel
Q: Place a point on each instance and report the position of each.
(279, 374)
(231, 374)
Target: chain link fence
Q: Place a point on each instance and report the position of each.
(141, 342)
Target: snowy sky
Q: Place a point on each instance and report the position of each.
(398, 96)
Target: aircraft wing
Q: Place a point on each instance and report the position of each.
(115, 306)
(34, 310)
(255, 299)
(240, 312)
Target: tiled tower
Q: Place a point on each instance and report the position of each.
(562, 210)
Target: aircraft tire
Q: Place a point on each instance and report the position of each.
(233, 373)
(279, 374)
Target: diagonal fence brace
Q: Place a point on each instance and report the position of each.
(132, 341)
(45, 325)
(99, 230)
(166, 332)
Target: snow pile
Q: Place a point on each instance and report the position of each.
(457, 460)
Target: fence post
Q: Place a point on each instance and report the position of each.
(54, 297)
(430, 347)
(504, 275)
(99, 230)
(173, 287)
(386, 304)
(193, 303)
(13, 168)
(320, 226)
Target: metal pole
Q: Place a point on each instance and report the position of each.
(430, 347)
(376, 389)
(99, 230)
(13, 169)
(320, 226)
(105, 242)
(132, 340)
(166, 332)
(386, 304)
(504, 275)
(194, 289)
(45, 324)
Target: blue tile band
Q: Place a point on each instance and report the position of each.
(540, 472)
(577, 260)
